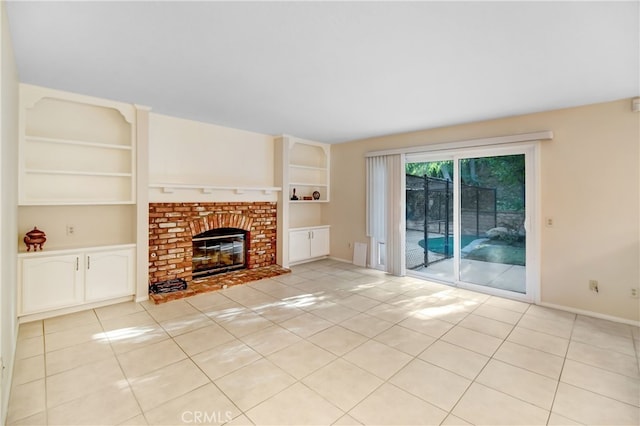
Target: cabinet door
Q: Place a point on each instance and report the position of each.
(299, 245)
(319, 242)
(109, 274)
(51, 282)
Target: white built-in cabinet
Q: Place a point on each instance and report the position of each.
(303, 166)
(77, 170)
(69, 278)
(49, 282)
(308, 243)
(108, 273)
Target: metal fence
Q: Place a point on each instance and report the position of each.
(429, 209)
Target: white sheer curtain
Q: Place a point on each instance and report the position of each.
(385, 222)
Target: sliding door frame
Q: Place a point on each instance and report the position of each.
(532, 211)
(532, 266)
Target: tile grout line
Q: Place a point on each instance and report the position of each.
(338, 357)
(187, 356)
(115, 355)
(485, 366)
(564, 360)
(212, 381)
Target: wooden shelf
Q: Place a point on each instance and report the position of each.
(22, 253)
(83, 202)
(207, 189)
(76, 173)
(293, 184)
(77, 143)
(298, 166)
(307, 201)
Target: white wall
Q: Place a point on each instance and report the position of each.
(190, 152)
(8, 207)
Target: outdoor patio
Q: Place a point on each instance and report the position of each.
(494, 275)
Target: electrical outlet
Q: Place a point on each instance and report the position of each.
(71, 230)
(548, 221)
(593, 285)
(634, 292)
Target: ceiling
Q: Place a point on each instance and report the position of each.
(332, 71)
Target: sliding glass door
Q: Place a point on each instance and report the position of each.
(492, 248)
(430, 217)
(468, 216)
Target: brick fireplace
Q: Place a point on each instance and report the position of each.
(172, 227)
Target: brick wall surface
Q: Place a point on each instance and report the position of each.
(172, 225)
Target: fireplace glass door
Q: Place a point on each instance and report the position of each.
(214, 254)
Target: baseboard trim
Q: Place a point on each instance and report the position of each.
(590, 313)
(142, 298)
(337, 259)
(71, 309)
(7, 381)
(302, 262)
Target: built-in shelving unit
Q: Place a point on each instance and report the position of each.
(75, 150)
(308, 170)
(303, 168)
(77, 181)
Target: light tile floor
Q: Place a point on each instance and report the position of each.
(328, 344)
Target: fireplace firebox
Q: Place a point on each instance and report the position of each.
(219, 250)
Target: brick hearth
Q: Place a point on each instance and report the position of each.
(217, 282)
(172, 226)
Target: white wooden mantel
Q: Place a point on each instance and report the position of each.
(169, 188)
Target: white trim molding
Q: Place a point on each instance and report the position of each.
(590, 313)
(169, 188)
(468, 143)
(192, 193)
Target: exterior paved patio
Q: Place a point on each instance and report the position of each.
(494, 275)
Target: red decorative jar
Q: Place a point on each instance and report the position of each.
(35, 239)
